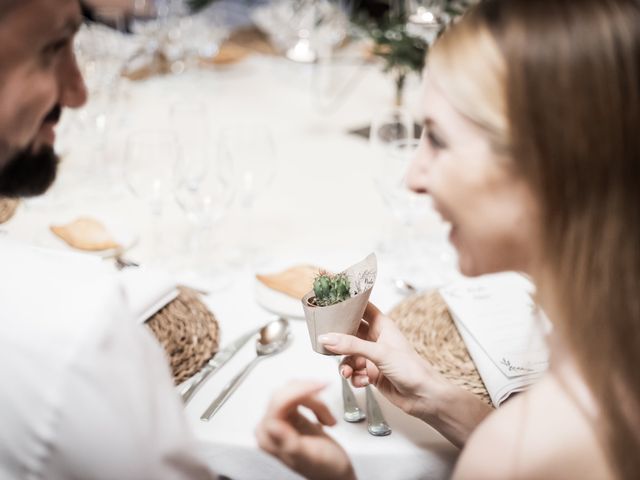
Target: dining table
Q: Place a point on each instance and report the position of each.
(322, 208)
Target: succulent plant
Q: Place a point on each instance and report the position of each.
(331, 289)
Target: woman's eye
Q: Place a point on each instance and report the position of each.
(435, 141)
(54, 48)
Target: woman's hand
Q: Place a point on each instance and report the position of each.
(382, 356)
(299, 443)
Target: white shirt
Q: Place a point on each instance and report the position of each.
(86, 392)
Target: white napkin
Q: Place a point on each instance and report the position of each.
(505, 336)
(147, 290)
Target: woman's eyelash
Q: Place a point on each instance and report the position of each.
(55, 47)
(434, 140)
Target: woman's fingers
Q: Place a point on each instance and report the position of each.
(319, 409)
(285, 402)
(271, 434)
(289, 397)
(351, 364)
(375, 319)
(354, 346)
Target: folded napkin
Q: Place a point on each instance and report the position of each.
(502, 329)
(147, 291)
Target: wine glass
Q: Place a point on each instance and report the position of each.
(190, 124)
(426, 18)
(426, 261)
(389, 126)
(391, 181)
(247, 160)
(205, 204)
(151, 161)
(390, 129)
(334, 75)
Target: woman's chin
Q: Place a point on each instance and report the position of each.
(467, 266)
(467, 269)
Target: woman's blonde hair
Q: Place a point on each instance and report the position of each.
(557, 83)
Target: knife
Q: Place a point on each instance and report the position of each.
(216, 362)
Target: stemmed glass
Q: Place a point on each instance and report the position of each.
(302, 17)
(205, 204)
(101, 52)
(393, 146)
(426, 18)
(389, 126)
(190, 123)
(334, 76)
(426, 261)
(151, 161)
(247, 160)
(390, 137)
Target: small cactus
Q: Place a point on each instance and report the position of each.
(331, 289)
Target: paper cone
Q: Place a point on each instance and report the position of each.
(343, 317)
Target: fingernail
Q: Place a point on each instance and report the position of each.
(342, 374)
(365, 382)
(328, 339)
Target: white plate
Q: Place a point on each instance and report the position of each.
(120, 233)
(278, 303)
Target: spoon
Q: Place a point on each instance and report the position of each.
(218, 360)
(404, 287)
(274, 337)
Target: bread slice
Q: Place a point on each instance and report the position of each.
(85, 233)
(295, 281)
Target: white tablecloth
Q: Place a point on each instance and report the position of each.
(300, 218)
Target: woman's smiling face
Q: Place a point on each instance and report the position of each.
(492, 211)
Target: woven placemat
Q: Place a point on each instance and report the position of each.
(189, 333)
(426, 322)
(8, 207)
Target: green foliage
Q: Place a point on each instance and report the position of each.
(402, 52)
(331, 289)
(399, 50)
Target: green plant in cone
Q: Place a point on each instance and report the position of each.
(331, 289)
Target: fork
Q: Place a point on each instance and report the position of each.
(122, 263)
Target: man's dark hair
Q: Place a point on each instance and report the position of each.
(6, 6)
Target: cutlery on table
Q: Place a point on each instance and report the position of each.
(219, 359)
(352, 412)
(376, 424)
(274, 338)
(404, 287)
(122, 263)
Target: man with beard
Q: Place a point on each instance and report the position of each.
(86, 393)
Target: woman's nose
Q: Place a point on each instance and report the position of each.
(417, 174)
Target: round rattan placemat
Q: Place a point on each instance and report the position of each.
(8, 207)
(189, 333)
(426, 322)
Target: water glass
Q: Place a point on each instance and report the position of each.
(151, 162)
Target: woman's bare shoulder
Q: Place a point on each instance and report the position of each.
(539, 434)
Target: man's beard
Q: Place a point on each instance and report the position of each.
(29, 173)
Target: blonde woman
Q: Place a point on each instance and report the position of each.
(531, 150)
